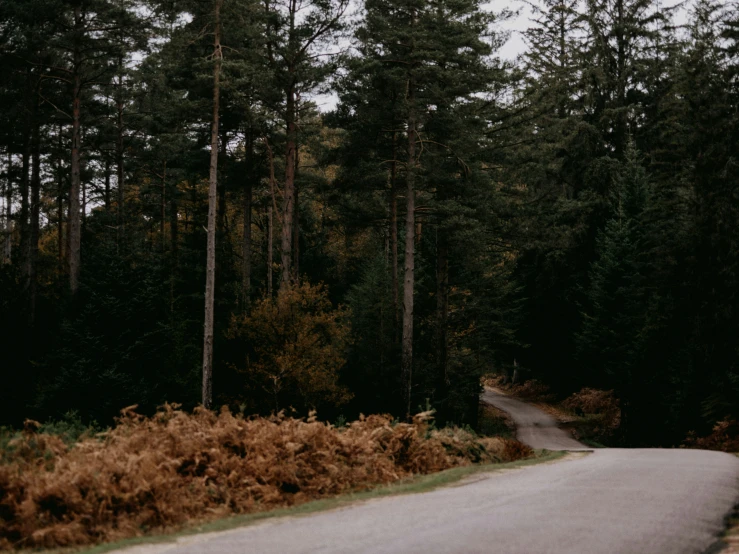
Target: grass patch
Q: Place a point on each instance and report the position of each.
(414, 485)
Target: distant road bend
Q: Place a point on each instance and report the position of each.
(610, 501)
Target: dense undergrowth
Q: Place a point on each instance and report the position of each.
(724, 437)
(152, 473)
(592, 415)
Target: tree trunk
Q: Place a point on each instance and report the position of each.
(221, 211)
(83, 214)
(246, 245)
(270, 249)
(75, 236)
(394, 238)
(107, 185)
(35, 212)
(60, 206)
(407, 342)
(442, 319)
(163, 209)
(288, 203)
(621, 125)
(296, 239)
(174, 223)
(120, 175)
(212, 198)
(8, 246)
(25, 207)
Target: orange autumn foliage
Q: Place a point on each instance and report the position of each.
(296, 345)
(174, 468)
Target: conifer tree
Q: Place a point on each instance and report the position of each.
(610, 341)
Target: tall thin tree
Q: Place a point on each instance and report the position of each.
(207, 397)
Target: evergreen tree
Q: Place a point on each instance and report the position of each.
(610, 342)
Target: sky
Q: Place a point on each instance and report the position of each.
(515, 45)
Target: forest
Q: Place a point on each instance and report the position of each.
(185, 220)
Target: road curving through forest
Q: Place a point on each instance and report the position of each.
(608, 501)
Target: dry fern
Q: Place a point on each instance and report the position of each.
(175, 467)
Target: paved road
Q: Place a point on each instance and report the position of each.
(612, 501)
(534, 427)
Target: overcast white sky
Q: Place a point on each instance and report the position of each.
(515, 45)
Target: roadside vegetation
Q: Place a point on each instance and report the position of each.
(592, 416)
(150, 474)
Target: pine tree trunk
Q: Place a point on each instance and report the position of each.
(35, 212)
(408, 286)
(246, 244)
(163, 209)
(75, 236)
(83, 215)
(120, 175)
(296, 240)
(23, 226)
(107, 185)
(394, 239)
(174, 223)
(442, 320)
(288, 204)
(621, 114)
(60, 206)
(270, 250)
(212, 199)
(221, 210)
(8, 246)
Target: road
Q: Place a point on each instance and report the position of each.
(609, 501)
(534, 427)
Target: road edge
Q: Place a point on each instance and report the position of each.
(415, 485)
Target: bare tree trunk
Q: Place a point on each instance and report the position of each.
(35, 212)
(221, 210)
(408, 286)
(8, 246)
(246, 245)
(442, 319)
(394, 238)
(163, 209)
(107, 185)
(60, 206)
(120, 174)
(296, 240)
(25, 206)
(83, 215)
(288, 201)
(75, 236)
(174, 223)
(270, 249)
(270, 217)
(212, 199)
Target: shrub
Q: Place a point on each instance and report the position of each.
(533, 390)
(295, 346)
(594, 402)
(724, 437)
(601, 409)
(163, 471)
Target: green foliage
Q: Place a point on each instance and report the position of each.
(544, 240)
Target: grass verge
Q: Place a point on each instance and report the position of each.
(414, 485)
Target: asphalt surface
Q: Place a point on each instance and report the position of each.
(533, 427)
(612, 501)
